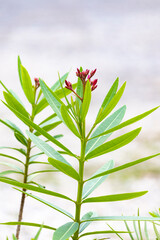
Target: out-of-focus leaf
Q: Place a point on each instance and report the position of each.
(101, 232)
(65, 231)
(11, 157)
(114, 144)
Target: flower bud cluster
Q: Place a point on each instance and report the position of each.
(84, 76)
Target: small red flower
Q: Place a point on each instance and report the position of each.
(68, 85)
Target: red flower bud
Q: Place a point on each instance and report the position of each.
(37, 84)
(93, 72)
(68, 85)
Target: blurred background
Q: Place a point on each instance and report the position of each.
(120, 39)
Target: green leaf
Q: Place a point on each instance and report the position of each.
(14, 238)
(68, 121)
(146, 231)
(128, 122)
(52, 99)
(114, 144)
(21, 138)
(156, 232)
(121, 218)
(115, 197)
(27, 224)
(27, 85)
(38, 233)
(19, 71)
(101, 232)
(12, 101)
(33, 188)
(109, 96)
(4, 173)
(129, 231)
(65, 168)
(13, 158)
(12, 166)
(115, 232)
(124, 166)
(46, 148)
(84, 225)
(21, 150)
(48, 204)
(135, 229)
(108, 123)
(43, 132)
(91, 185)
(65, 231)
(86, 100)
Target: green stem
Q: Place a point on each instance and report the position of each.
(80, 182)
(21, 209)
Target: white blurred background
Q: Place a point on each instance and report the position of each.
(120, 39)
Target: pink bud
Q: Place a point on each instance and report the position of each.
(68, 85)
(37, 84)
(93, 72)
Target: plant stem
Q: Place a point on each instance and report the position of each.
(80, 182)
(21, 209)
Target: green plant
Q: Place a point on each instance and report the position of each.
(92, 144)
(22, 165)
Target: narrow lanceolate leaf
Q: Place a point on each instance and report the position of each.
(33, 188)
(42, 131)
(121, 218)
(68, 120)
(128, 122)
(124, 166)
(86, 101)
(84, 225)
(115, 197)
(111, 105)
(38, 233)
(65, 231)
(108, 123)
(21, 138)
(109, 96)
(156, 232)
(114, 144)
(19, 70)
(101, 232)
(79, 92)
(48, 204)
(91, 185)
(65, 168)
(27, 224)
(27, 85)
(46, 148)
(52, 99)
(12, 101)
